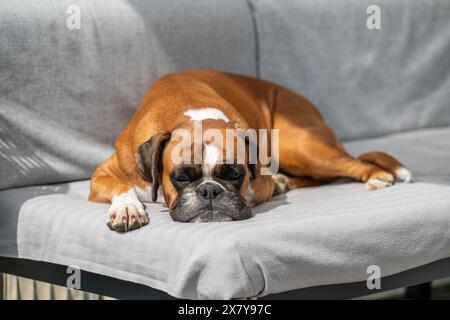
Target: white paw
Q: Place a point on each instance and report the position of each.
(126, 213)
(403, 174)
(379, 181)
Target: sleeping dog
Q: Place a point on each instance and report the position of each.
(205, 181)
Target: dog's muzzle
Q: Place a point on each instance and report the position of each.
(209, 202)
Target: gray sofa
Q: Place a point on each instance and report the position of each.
(66, 93)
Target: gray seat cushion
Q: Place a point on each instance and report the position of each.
(308, 237)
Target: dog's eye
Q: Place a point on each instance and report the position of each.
(183, 175)
(230, 172)
(181, 178)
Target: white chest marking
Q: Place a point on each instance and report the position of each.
(206, 113)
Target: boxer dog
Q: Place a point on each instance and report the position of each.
(212, 189)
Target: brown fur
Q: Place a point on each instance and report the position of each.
(310, 153)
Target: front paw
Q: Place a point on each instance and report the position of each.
(123, 217)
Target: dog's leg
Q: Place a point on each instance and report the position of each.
(316, 159)
(309, 148)
(261, 190)
(126, 211)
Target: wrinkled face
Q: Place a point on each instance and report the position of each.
(206, 192)
(206, 185)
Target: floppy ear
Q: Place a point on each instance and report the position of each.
(149, 159)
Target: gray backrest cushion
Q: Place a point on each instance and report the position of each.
(365, 82)
(65, 95)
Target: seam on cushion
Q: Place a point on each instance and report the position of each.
(257, 39)
(255, 294)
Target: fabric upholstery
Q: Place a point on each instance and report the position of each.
(308, 237)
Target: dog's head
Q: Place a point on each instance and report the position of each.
(205, 186)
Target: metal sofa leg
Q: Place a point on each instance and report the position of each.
(421, 291)
(2, 289)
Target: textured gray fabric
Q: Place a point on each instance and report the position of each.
(65, 95)
(10, 202)
(308, 237)
(365, 82)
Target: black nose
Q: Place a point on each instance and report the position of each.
(209, 190)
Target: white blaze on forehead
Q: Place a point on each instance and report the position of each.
(206, 113)
(211, 157)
